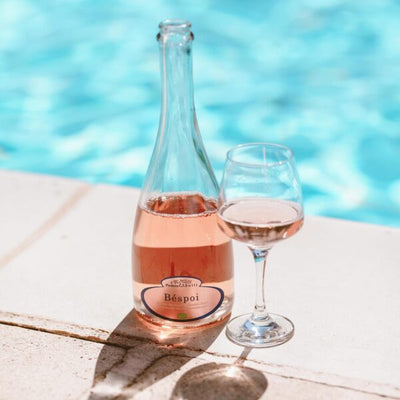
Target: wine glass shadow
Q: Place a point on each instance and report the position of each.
(214, 381)
(138, 354)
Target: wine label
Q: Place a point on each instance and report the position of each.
(182, 298)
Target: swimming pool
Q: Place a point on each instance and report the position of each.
(79, 91)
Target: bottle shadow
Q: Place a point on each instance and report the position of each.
(137, 355)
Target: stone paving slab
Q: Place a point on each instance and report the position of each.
(40, 365)
(29, 205)
(72, 272)
(37, 365)
(188, 346)
(337, 280)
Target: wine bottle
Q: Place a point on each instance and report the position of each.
(182, 263)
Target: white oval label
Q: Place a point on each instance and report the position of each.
(182, 298)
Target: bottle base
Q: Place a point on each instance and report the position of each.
(216, 318)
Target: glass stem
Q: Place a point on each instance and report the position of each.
(260, 315)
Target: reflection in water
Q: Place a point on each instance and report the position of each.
(220, 381)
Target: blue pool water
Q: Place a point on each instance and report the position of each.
(79, 90)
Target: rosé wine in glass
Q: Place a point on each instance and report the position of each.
(260, 204)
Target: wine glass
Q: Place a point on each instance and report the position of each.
(260, 204)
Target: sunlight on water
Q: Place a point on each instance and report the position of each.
(80, 91)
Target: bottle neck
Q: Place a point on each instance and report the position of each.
(177, 110)
(179, 162)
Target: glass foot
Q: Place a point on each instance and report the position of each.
(273, 332)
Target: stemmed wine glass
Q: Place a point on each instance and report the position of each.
(260, 204)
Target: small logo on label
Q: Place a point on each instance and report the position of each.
(182, 298)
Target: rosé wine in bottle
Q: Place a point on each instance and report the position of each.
(182, 262)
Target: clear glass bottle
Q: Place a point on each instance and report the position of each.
(182, 263)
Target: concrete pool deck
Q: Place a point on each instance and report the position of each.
(68, 330)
